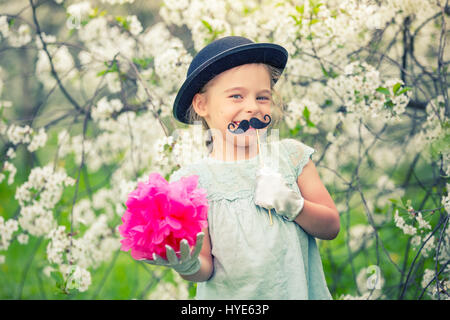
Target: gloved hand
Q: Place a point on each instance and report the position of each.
(272, 192)
(189, 263)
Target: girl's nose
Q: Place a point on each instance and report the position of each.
(251, 105)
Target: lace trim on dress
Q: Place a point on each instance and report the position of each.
(222, 183)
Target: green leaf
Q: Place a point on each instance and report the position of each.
(329, 74)
(93, 13)
(403, 90)
(143, 62)
(394, 201)
(396, 87)
(316, 9)
(310, 124)
(112, 68)
(169, 277)
(296, 130)
(404, 201)
(389, 104)
(123, 21)
(300, 9)
(298, 21)
(306, 114)
(192, 289)
(208, 26)
(57, 276)
(383, 90)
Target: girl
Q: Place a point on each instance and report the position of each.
(266, 207)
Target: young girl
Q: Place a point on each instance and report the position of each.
(267, 203)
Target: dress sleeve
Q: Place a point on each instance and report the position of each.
(177, 174)
(298, 153)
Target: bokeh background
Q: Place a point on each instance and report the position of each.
(86, 91)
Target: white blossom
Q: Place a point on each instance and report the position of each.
(423, 224)
(75, 277)
(11, 153)
(169, 290)
(63, 64)
(81, 9)
(4, 26)
(22, 238)
(104, 108)
(36, 220)
(58, 245)
(83, 213)
(8, 166)
(416, 240)
(325, 71)
(400, 223)
(20, 37)
(446, 200)
(38, 140)
(371, 280)
(429, 245)
(135, 25)
(361, 236)
(171, 65)
(38, 196)
(17, 134)
(117, 1)
(428, 275)
(48, 270)
(430, 281)
(7, 228)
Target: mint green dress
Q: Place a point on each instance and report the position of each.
(253, 259)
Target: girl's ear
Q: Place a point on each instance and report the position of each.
(199, 104)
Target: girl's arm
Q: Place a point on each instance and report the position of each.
(319, 216)
(206, 264)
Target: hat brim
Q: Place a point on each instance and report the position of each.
(269, 53)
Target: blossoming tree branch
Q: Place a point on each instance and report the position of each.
(86, 91)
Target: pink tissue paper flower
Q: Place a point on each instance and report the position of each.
(160, 213)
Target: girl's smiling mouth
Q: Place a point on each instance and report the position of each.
(249, 127)
(239, 127)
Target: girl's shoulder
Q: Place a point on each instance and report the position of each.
(298, 153)
(183, 171)
(207, 177)
(294, 145)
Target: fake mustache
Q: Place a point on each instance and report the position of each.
(244, 125)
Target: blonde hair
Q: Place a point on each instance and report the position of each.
(277, 103)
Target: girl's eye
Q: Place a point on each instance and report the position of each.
(264, 98)
(235, 95)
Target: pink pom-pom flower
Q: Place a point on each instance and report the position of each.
(160, 213)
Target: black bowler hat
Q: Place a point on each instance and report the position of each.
(219, 56)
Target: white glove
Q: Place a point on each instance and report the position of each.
(188, 263)
(272, 192)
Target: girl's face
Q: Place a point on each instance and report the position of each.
(236, 94)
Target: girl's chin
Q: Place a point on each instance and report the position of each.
(246, 139)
